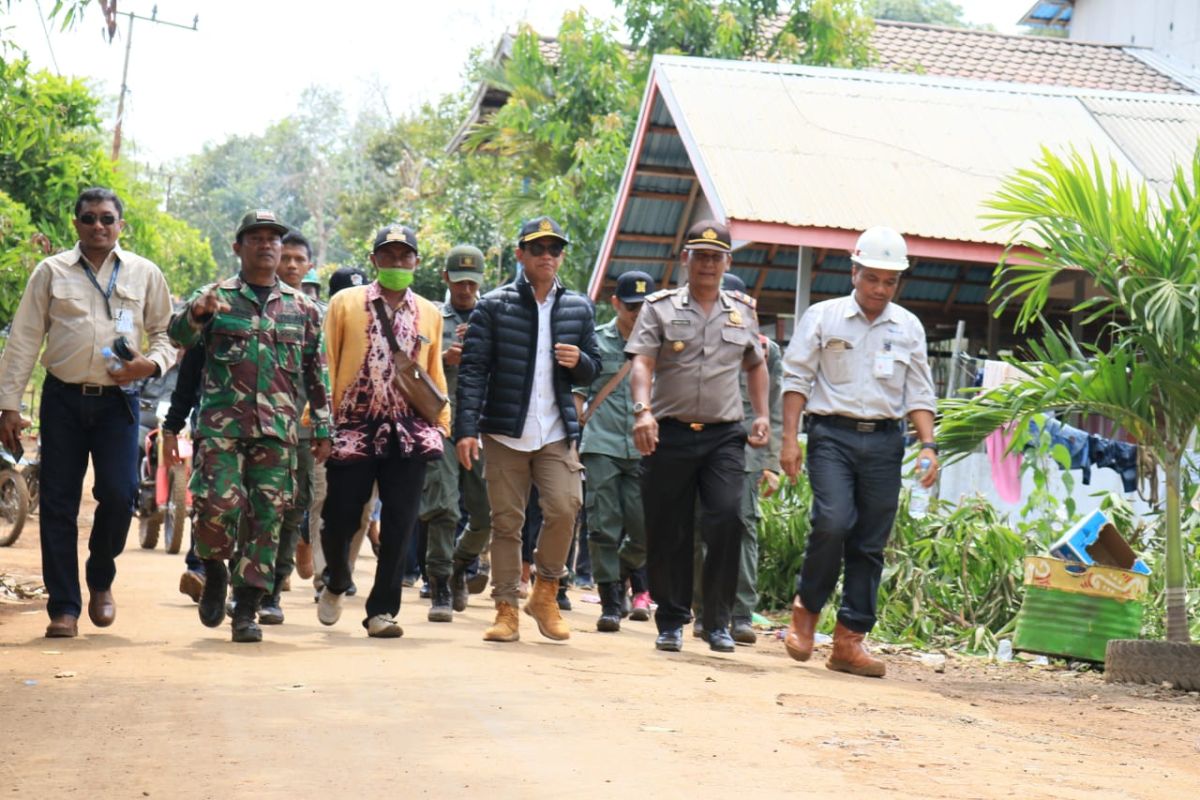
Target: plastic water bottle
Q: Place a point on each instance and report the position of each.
(1004, 651)
(112, 360)
(918, 501)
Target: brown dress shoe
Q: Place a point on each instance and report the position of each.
(799, 639)
(851, 655)
(101, 608)
(64, 626)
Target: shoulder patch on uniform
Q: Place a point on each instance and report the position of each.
(659, 295)
(742, 297)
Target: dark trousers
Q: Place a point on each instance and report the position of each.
(349, 488)
(855, 480)
(74, 427)
(708, 463)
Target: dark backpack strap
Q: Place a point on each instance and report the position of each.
(386, 324)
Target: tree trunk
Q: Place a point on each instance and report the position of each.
(1176, 593)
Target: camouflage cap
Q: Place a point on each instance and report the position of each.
(465, 263)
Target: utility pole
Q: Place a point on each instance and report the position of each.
(116, 147)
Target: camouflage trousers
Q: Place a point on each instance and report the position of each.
(236, 480)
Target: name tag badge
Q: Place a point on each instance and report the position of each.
(885, 364)
(124, 320)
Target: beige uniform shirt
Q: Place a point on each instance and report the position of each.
(62, 308)
(850, 367)
(698, 356)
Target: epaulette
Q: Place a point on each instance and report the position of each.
(742, 297)
(660, 294)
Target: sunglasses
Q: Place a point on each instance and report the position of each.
(536, 249)
(90, 219)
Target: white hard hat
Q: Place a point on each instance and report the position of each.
(881, 248)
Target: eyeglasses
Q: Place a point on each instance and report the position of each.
(90, 219)
(537, 249)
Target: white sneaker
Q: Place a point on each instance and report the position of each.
(384, 626)
(329, 607)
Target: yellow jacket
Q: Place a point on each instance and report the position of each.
(346, 323)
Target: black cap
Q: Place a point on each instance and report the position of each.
(396, 233)
(261, 218)
(541, 227)
(633, 286)
(345, 277)
(732, 283)
(708, 234)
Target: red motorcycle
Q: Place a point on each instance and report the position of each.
(163, 497)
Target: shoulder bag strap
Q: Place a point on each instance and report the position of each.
(605, 391)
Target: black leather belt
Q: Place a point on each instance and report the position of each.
(86, 389)
(860, 425)
(695, 426)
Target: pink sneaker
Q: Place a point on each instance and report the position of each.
(641, 607)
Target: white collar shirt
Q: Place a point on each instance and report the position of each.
(543, 419)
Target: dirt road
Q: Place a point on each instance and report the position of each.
(159, 706)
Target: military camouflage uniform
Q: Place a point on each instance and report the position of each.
(255, 358)
(439, 500)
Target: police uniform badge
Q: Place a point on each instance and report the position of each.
(735, 317)
(640, 287)
(677, 346)
(545, 227)
(709, 234)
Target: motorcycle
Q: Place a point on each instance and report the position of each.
(14, 499)
(30, 471)
(163, 499)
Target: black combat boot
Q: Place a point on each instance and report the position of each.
(245, 629)
(610, 607)
(440, 609)
(458, 586)
(212, 599)
(564, 602)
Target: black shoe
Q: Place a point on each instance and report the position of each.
(610, 607)
(720, 641)
(671, 641)
(626, 606)
(270, 612)
(426, 590)
(246, 600)
(743, 631)
(478, 582)
(212, 599)
(564, 602)
(440, 609)
(353, 590)
(458, 588)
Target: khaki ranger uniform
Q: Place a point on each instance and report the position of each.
(256, 355)
(446, 477)
(700, 453)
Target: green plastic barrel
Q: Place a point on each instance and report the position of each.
(1058, 623)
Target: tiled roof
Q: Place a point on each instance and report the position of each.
(983, 55)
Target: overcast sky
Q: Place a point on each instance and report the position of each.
(249, 60)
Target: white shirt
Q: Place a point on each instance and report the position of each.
(543, 420)
(850, 367)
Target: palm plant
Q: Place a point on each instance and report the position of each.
(1142, 251)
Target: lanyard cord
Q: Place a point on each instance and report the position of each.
(112, 282)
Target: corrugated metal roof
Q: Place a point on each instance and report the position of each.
(843, 149)
(1156, 136)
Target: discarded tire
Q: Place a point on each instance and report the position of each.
(1141, 661)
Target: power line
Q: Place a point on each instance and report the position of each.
(46, 31)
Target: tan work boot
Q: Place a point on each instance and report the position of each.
(506, 628)
(851, 655)
(799, 639)
(543, 607)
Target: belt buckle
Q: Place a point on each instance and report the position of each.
(696, 426)
(92, 389)
(865, 427)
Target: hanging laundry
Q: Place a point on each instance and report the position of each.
(1119, 456)
(1077, 442)
(1006, 466)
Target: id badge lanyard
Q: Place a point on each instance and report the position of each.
(112, 283)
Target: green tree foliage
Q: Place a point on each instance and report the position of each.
(1072, 214)
(822, 32)
(929, 12)
(51, 147)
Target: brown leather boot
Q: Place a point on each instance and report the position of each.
(543, 607)
(506, 628)
(851, 655)
(799, 639)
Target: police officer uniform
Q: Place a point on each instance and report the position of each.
(612, 463)
(698, 357)
(255, 355)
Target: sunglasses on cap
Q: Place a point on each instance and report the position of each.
(536, 249)
(90, 219)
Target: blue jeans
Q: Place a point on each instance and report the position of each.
(855, 480)
(73, 427)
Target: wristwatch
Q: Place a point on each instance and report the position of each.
(639, 407)
(930, 446)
